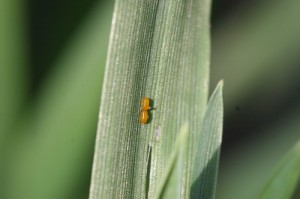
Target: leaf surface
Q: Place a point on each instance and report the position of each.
(158, 49)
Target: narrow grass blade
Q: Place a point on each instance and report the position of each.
(285, 177)
(171, 183)
(208, 146)
(273, 143)
(158, 49)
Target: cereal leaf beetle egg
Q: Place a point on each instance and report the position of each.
(144, 116)
(145, 104)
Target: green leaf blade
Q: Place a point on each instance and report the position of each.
(208, 148)
(171, 184)
(158, 49)
(285, 177)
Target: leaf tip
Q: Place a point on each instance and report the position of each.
(220, 84)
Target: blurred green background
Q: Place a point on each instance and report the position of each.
(52, 57)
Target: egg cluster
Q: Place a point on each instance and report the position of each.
(144, 115)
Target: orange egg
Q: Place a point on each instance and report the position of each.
(144, 117)
(145, 104)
